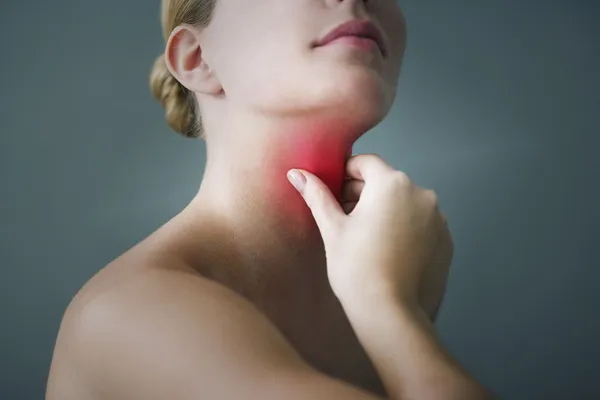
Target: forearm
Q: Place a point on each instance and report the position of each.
(407, 355)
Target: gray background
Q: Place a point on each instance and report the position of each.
(498, 110)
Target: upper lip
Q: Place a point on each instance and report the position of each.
(355, 27)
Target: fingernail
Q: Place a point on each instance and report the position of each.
(297, 179)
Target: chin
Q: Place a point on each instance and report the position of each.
(359, 94)
(351, 94)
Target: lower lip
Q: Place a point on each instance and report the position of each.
(355, 41)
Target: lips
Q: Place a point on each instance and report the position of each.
(357, 28)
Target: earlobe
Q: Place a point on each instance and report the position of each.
(183, 56)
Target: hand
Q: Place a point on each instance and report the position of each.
(433, 282)
(387, 238)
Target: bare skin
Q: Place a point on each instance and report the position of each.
(142, 329)
(254, 291)
(301, 325)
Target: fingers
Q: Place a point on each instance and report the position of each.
(325, 208)
(366, 167)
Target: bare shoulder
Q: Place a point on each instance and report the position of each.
(170, 333)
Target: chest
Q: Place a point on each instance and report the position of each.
(326, 340)
(309, 315)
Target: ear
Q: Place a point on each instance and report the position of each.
(183, 56)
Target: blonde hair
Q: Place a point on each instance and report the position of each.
(181, 108)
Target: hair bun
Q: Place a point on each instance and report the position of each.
(179, 105)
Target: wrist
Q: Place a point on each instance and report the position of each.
(371, 306)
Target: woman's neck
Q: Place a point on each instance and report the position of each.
(246, 189)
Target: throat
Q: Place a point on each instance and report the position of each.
(265, 227)
(246, 181)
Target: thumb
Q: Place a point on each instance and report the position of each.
(324, 207)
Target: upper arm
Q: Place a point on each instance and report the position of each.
(171, 335)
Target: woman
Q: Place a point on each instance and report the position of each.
(257, 290)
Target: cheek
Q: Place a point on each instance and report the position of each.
(265, 81)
